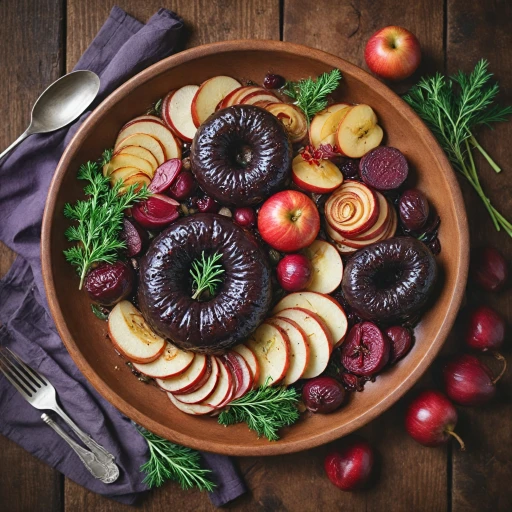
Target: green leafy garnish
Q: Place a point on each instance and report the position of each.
(169, 461)
(106, 156)
(98, 312)
(265, 410)
(311, 95)
(205, 274)
(453, 108)
(99, 220)
(155, 109)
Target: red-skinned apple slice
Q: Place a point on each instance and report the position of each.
(320, 176)
(144, 141)
(170, 144)
(327, 308)
(318, 121)
(258, 96)
(165, 175)
(224, 388)
(208, 96)
(242, 373)
(319, 339)
(291, 116)
(123, 159)
(171, 362)
(299, 348)
(359, 132)
(271, 346)
(251, 360)
(327, 266)
(193, 409)
(200, 383)
(233, 97)
(154, 119)
(177, 113)
(140, 152)
(132, 336)
(330, 127)
(140, 179)
(187, 380)
(123, 173)
(202, 393)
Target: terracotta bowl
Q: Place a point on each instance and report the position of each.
(85, 336)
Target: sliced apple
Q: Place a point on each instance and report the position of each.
(172, 361)
(258, 96)
(327, 308)
(203, 392)
(208, 96)
(146, 117)
(359, 132)
(144, 141)
(128, 160)
(319, 339)
(241, 372)
(291, 116)
(327, 266)
(330, 127)
(131, 334)
(271, 346)
(139, 152)
(319, 176)
(170, 144)
(140, 179)
(123, 173)
(318, 121)
(299, 348)
(251, 360)
(187, 379)
(177, 113)
(233, 97)
(193, 409)
(224, 388)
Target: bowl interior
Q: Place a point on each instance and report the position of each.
(85, 336)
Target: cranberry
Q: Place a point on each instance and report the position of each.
(414, 209)
(350, 168)
(109, 283)
(489, 268)
(323, 394)
(273, 81)
(207, 205)
(184, 186)
(294, 272)
(400, 342)
(245, 217)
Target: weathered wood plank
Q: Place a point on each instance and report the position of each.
(481, 474)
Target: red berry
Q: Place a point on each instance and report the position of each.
(273, 81)
(486, 329)
(323, 394)
(245, 217)
(294, 272)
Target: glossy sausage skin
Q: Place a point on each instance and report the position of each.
(242, 300)
(241, 155)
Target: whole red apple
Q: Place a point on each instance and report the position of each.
(393, 53)
(288, 221)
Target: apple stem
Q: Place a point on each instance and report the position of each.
(498, 356)
(459, 439)
(484, 153)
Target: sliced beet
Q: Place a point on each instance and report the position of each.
(366, 350)
(156, 212)
(165, 176)
(400, 342)
(135, 236)
(384, 168)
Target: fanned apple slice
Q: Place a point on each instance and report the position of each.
(359, 132)
(127, 160)
(171, 362)
(233, 97)
(146, 117)
(299, 348)
(291, 116)
(144, 141)
(177, 113)
(139, 152)
(271, 346)
(258, 96)
(140, 179)
(170, 144)
(131, 334)
(330, 127)
(251, 360)
(327, 266)
(241, 373)
(327, 308)
(187, 379)
(321, 176)
(193, 409)
(319, 339)
(318, 121)
(202, 393)
(209, 95)
(224, 388)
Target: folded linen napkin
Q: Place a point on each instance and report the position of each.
(122, 48)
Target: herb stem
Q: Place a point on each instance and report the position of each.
(484, 153)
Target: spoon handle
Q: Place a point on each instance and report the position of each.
(22, 137)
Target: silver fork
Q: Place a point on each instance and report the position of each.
(40, 393)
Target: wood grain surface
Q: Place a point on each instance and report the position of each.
(40, 40)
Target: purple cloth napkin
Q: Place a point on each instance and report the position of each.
(122, 48)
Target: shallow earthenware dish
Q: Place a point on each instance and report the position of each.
(85, 336)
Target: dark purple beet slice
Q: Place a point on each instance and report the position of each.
(400, 342)
(384, 168)
(165, 175)
(366, 350)
(136, 238)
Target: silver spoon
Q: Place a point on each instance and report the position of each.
(61, 102)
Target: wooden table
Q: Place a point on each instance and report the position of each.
(43, 39)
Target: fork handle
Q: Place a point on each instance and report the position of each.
(96, 468)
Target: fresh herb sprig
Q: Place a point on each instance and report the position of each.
(155, 109)
(99, 220)
(454, 108)
(265, 410)
(169, 461)
(205, 274)
(311, 95)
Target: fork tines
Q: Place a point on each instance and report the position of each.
(20, 375)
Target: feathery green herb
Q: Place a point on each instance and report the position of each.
(453, 108)
(155, 109)
(99, 220)
(106, 156)
(265, 410)
(101, 313)
(311, 95)
(169, 461)
(205, 274)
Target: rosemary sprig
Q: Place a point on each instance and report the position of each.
(311, 95)
(205, 274)
(99, 220)
(169, 461)
(453, 108)
(265, 410)
(155, 109)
